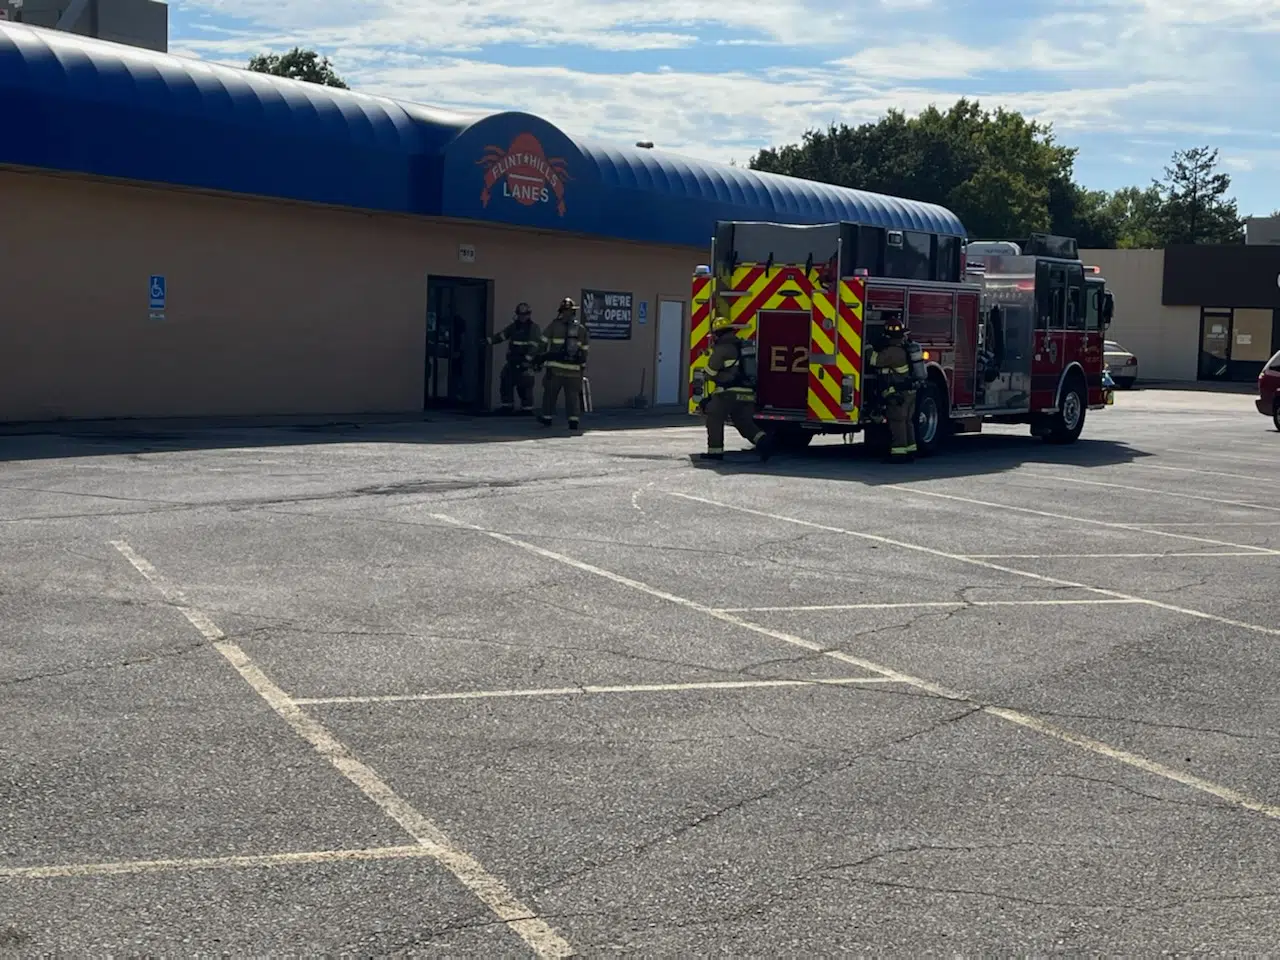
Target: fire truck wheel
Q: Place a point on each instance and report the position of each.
(1065, 425)
(932, 418)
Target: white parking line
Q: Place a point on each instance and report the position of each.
(960, 558)
(1220, 501)
(1207, 473)
(949, 604)
(591, 689)
(1114, 556)
(1013, 716)
(521, 919)
(1212, 523)
(1201, 455)
(1130, 527)
(209, 863)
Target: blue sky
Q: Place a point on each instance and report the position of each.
(1125, 81)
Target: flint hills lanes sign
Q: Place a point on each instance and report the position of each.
(524, 173)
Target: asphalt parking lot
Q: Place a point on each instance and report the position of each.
(466, 688)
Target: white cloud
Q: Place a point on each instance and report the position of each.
(925, 58)
(1247, 14)
(601, 24)
(1114, 72)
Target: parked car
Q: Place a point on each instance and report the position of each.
(1269, 390)
(1123, 364)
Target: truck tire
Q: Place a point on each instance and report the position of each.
(1066, 425)
(933, 419)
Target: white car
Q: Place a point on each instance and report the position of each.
(1123, 364)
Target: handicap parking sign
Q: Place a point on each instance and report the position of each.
(158, 292)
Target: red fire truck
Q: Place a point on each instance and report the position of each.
(1011, 332)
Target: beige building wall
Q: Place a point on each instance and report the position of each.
(272, 308)
(1166, 340)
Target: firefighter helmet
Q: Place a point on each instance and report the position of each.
(523, 309)
(893, 326)
(567, 305)
(720, 324)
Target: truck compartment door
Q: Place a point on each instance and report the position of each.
(782, 361)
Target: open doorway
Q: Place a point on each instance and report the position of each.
(457, 359)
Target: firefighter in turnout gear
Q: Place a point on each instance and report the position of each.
(566, 344)
(892, 362)
(732, 369)
(524, 340)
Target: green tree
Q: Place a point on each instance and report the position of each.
(298, 64)
(998, 171)
(1087, 215)
(1194, 206)
(1137, 216)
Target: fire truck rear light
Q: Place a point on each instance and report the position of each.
(702, 270)
(926, 354)
(861, 272)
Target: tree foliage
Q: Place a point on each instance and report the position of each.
(1194, 206)
(298, 64)
(1007, 176)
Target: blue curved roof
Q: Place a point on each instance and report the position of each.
(90, 106)
(744, 194)
(80, 105)
(649, 196)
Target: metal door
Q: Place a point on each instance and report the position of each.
(669, 382)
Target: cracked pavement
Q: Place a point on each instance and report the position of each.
(755, 821)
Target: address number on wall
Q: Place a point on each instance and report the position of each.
(466, 253)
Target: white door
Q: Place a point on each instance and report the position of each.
(670, 352)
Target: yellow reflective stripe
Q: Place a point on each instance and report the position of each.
(730, 363)
(902, 369)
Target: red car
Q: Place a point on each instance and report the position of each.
(1269, 390)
